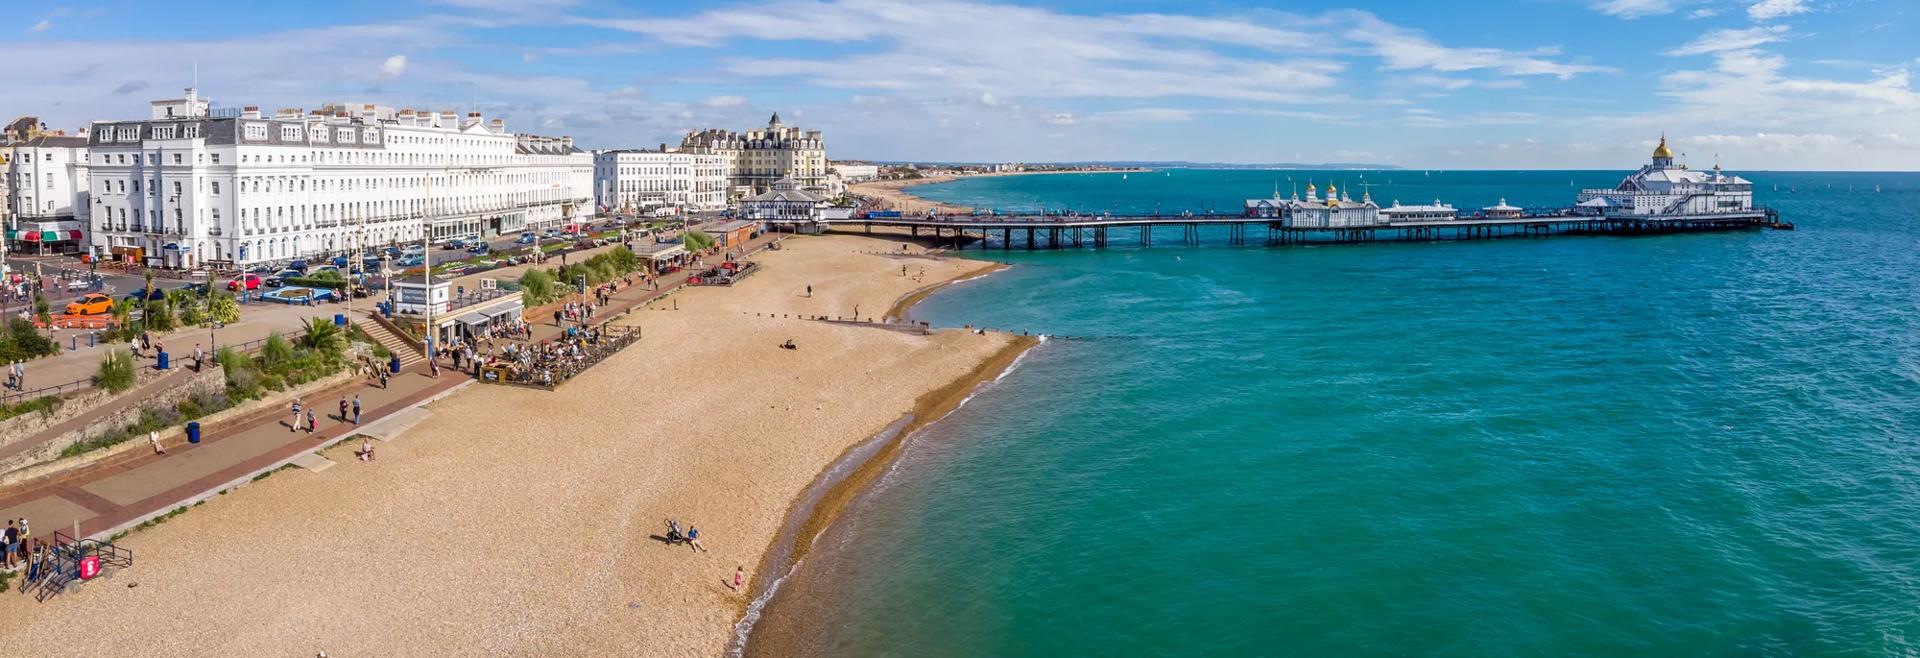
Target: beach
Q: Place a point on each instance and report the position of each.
(522, 522)
(894, 195)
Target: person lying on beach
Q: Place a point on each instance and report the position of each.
(693, 540)
(789, 345)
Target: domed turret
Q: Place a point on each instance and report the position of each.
(1662, 151)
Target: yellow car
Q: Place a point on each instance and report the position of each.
(92, 304)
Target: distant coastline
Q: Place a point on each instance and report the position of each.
(892, 194)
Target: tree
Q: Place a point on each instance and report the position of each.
(695, 240)
(275, 351)
(149, 277)
(42, 309)
(322, 337)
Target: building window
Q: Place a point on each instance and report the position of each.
(216, 187)
(176, 158)
(256, 131)
(216, 158)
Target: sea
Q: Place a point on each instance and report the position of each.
(1684, 445)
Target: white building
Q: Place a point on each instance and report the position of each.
(851, 173)
(634, 181)
(757, 158)
(1335, 211)
(1660, 189)
(46, 188)
(190, 186)
(1434, 212)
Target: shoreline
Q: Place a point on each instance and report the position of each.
(787, 437)
(816, 508)
(893, 193)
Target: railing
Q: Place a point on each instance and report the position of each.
(17, 397)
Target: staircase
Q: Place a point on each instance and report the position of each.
(409, 354)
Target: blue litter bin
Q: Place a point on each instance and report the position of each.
(193, 432)
(393, 364)
(340, 319)
(162, 363)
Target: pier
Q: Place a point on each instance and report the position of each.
(1053, 231)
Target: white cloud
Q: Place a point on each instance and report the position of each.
(41, 26)
(394, 66)
(726, 101)
(1404, 48)
(1725, 40)
(1703, 12)
(1771, 9)
(1144, 115)
(1631, 9)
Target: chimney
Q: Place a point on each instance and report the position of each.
(566, 142)
(250, 112)
(288, 113)
(499, 125)
(472, 118)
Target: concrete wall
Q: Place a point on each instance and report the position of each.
(30, 426)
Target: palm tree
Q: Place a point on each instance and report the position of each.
(322, 336)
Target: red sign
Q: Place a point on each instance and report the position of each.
(89, 567)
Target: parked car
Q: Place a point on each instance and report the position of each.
(201, 289)
(280, 278)
(92, 303)
(81, 284)
(479, 248)
(248, 281)
(550, 233)
(138, 293)
(298, 266)
(415, 260)
(528, 238)
(456, 243)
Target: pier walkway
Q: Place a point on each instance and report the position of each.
(1054, 231)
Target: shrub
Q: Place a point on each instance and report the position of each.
(45, 405)
(275, 351)
(538, 287)
(159, 316)
(116, 372)
(696, 240)
(323, 336)
(222, 308)
(22, 341)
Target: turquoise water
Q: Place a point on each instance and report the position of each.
(1658, 446)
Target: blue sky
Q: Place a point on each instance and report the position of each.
(1762, 84)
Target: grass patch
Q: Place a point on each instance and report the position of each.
(46, 405)
(177, 511)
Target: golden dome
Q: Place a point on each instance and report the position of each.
(1662, 151)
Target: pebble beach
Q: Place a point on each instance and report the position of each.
(523, 522)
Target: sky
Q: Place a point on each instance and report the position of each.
(1519, 84)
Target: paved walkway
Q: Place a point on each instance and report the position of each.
(115, 493)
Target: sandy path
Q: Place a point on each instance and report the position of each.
(516, 522)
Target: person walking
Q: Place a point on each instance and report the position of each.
(295, 425)
(343, 408)
(313, 423)
(739, 577)
(356, 409)
(12, 542)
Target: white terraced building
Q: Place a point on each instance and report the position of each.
(1335, 211)
(43, 177)
(1661, 189)
(191, 187)
(633, 181)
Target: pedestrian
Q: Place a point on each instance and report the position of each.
(739, 577)
(153, 436)
(809, 291)
(20, 375)
(693, 540)
(295, 425)
(12, 541)
(199, 358)
(433, 368)
(384, 374)
(356, 409)
(557, 315)
(313, 423)
(33, 562)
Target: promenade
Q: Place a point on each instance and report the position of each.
(108, 497)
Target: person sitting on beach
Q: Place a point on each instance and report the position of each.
(366, 450)
(788, 345)
(693, 540)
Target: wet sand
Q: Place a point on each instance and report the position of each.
(519, 522)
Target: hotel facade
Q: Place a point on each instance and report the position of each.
(43, 178)
(192, 187)
(758, 158)
(633, 181)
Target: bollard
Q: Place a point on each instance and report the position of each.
(93, 338)
(73, 342)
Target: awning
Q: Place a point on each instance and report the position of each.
(43, 236)
(509, 310)
(473, 319)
